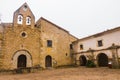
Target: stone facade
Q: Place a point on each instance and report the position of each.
(25, 43)
(101, 48)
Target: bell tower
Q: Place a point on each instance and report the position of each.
(23, 17)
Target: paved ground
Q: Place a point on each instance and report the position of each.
(79, 73)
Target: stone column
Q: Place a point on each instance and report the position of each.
(115, 60)
(92, 54)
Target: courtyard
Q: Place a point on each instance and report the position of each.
(75, 73)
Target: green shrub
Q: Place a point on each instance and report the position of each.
(90, 64)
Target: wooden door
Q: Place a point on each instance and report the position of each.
(48, 61)
(21, 61)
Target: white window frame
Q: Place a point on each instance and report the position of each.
(28, 20)
(20, 19)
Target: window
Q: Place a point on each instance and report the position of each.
(25, 8)
(71, 46)
(28, 21)
(49, 43)
(23, 34)
(66, 54)
(81, 47)
(20, 19)
(100, 43)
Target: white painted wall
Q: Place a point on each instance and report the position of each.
(107, 39)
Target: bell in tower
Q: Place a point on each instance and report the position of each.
(24, 17)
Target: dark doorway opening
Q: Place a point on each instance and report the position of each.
(21, 61)
(82, 60)
(48, 61)
(102, 60)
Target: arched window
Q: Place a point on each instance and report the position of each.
(20, 19)
(28, 20)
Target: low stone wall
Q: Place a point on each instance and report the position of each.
(21, 70)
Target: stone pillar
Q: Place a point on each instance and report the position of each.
(92, 54)
(76, 61)
(115, 60)
(73, 57)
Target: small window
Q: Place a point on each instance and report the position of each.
(81, 47)
(20, 19)
(100, 43)
(49, 43)
(28, 21)
(71, 46)
(25, 8)
(66, 54)
(24, 34)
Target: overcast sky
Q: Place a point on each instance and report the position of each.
(80, 17)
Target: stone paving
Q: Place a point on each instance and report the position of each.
(79, 73)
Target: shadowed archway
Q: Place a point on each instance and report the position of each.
(21, 61)
(82, 60)
(102, 60)
(21, 58)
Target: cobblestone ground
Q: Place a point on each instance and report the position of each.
(79, 73)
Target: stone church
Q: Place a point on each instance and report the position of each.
(26, 43)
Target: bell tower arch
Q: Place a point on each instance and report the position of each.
(24, 17)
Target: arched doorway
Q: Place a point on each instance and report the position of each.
(102, 60)
(21, 58)
(48, 61)
(82, 60)
(21, 61)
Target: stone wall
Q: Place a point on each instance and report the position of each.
(14, 42)
(61, 40)
(30, 42)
